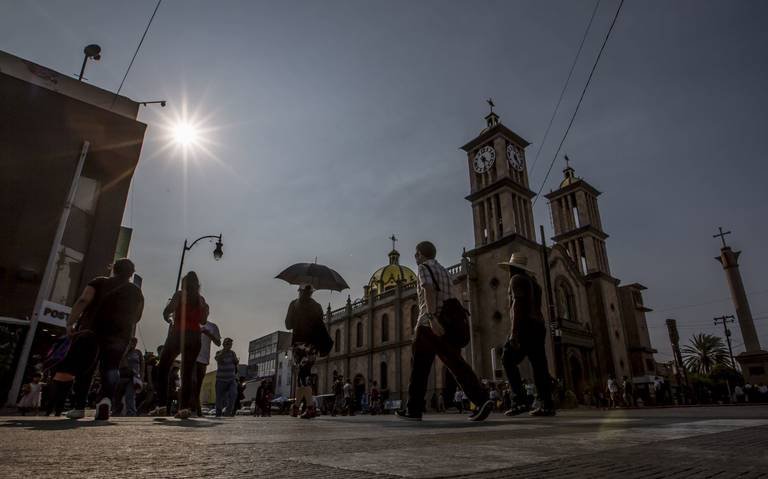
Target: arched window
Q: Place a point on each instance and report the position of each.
(337, 341)
(383, 375)
(414, 315)
(359, 335)
(566, 301)
(385, 328)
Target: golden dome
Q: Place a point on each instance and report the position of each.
(387, 277)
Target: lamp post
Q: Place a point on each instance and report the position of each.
(217, 253)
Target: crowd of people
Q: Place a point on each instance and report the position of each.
(101, 365)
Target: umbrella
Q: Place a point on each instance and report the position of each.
(318, 275)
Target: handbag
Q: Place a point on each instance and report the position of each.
(57, 352)
(453, 317)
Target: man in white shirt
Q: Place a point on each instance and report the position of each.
(434, 288)
(209, 332)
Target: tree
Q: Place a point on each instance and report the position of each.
(704, 354)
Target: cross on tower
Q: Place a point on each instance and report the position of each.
(722, 235)
(490, 103)
(393, 238)
(567, 161)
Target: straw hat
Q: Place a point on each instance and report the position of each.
(517, 261)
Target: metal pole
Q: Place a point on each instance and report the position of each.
(725, 320)
(46, 282)
(557, 338)
(181, 265)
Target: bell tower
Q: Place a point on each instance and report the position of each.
(576, 219)
(498, 177)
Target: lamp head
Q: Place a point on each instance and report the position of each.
(218, 252)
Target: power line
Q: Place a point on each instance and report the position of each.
(565, 87)
(136, 53)
(583, 92)
(714, 301)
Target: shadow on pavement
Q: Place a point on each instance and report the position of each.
(162, 421)
(53, 424)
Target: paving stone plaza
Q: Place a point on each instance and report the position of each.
(699, 442)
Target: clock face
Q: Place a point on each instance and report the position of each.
(484, 159)
(515, 158)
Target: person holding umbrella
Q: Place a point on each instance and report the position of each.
(310, 337)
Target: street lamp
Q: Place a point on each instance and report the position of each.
(218, 252)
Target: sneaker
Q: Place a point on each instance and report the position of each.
(542, 412)
(158, 411)
(482, 413)
(183, 414)
(516, 411)
(75, 414)
(102, 409)
(407, 416)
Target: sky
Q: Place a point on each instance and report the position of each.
(329, 126)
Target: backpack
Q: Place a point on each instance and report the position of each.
(454, 318)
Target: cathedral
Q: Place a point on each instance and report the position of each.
(597, 325)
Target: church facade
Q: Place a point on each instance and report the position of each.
(597, 326)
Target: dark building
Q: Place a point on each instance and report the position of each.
(47, 118)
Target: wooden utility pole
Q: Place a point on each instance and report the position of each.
(725, 320)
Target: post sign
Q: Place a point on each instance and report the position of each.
(54, 313)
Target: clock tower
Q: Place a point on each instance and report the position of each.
(498, 177)
(502, 213)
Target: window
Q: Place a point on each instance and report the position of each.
(566, 302)
(385, 328)
(337, 340)
(383, 375)
(414, 316)
(359, 335)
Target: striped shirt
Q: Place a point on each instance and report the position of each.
(442, 289)
(226, 362)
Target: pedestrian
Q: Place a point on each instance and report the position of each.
(493, 395)
(209, 333)
(349, 398)
(100, 325)
(458, 400)
(530, 393)
(186, 311)
(240, 397)
(433, 290)
(629, 397)
(266, 405)
(338, 395)
(527, 338)
(310, 338)
(31, 396)
(375, 406)
(226, 378)
(613, 391)
(130, 380)
(258, 401)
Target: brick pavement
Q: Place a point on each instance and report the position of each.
(692, 442)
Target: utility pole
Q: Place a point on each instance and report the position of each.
(674, 338)
(725, 320)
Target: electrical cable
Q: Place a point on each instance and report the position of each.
(581, 98)
(565, 87)
(135, 53)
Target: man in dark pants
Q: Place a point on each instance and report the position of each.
(102, 323)
(527, 338)
(434, 287)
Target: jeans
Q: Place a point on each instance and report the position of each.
(226, 394)
(200, 375)
(427, 345)
(130, 399)
(108, 352)
(530, 344)
(188, 344)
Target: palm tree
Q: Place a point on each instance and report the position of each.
(705, 353)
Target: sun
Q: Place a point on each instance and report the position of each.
(185, 134)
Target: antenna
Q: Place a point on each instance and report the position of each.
(91, 51)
